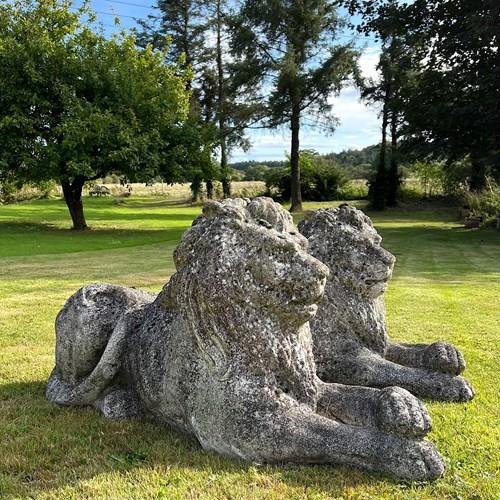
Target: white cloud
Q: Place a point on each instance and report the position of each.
(368, 62)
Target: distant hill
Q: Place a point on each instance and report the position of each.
(355, 157)
(357, 163)
(245, 165)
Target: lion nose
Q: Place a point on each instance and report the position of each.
(387, 258)
(316, 269)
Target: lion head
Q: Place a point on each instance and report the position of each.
(246, 286)
(346, 241)
(248, 253)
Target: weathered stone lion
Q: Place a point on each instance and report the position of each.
(351, 345)
(224, 353)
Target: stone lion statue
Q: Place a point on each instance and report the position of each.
(351, 345)
(224, 353)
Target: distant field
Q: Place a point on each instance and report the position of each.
(446, 286)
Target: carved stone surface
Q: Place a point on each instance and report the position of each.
(224, 353)
(351, 345)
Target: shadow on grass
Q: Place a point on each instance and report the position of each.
(63, 453)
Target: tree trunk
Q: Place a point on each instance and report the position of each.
(226, 178)
(73, 198)
(296, 194)
(378, 187)
(210, 189)
(478, 174)
(393, 178)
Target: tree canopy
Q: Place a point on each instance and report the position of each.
(450, 103)
(76, 105)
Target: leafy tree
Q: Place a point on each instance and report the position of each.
(321, 178)
(451, 106)
(456, 100)
(256, 173)
(76, 106)
(245, 165)
(430, 175)
(394, 69)
(286, 50)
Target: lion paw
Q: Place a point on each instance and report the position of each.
(413, 460)
(443, 357)
(399, 412)
(456, 390)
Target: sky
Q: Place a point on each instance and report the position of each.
(358, 127)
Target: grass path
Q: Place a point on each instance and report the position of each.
(446, 285)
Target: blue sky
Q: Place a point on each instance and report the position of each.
(358, 127)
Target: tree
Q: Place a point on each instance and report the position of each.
(76, 106)
(180, 26)
(321, 178)
(286, 50)
(452, 103)
(198, 33)
(394, 69)
(256, 172)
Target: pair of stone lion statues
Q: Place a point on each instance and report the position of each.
(268, 344)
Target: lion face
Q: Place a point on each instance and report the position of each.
(279, 275)
(249, 254)
(347, 242)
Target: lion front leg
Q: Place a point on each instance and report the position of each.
(371, 370)
(301, 436)
(391, 409)
(438, 356)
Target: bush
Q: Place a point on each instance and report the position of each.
(431, 176)
(320, 179)
(13, 192)
(456, 178)
(256, 173)
(353, 190)
(486, 203)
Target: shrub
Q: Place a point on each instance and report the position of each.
(353, 190)
(320, 179)
(13, 192)
(431, 176)
(485, 203)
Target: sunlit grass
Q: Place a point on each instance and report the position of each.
(446, 285)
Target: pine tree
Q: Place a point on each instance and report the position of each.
(286, 49)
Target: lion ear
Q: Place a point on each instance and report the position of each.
(212, 209)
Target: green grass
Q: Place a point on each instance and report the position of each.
(446, 285)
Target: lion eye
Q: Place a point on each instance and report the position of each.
(263, 222)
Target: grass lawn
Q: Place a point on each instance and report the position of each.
(446, 286)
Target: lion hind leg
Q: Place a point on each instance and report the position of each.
(87, 391)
